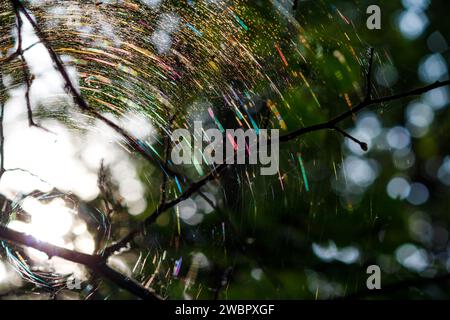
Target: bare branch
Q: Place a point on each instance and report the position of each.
(363, 145)
(104, 184)
(81, 102)
(94, 262)
(193, 188)
(2, 139)
(330, 124)
(97, 263)
(2, 136)
(26, 74)
(15, 54)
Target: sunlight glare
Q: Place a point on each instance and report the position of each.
(49, 222)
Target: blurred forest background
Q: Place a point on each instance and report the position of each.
(152, 66)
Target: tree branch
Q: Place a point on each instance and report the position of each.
(81, 102)
(98, 263)
(363, 145)
(2, 135)
(193, 188)
(328, 125)
(94, 262)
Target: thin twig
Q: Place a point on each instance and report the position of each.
(104, 186)
(26, 74)
(163, 193)
(363, 145)
(2, 136)
(15, 54)
(82, 103)
(193, 188)
(105, 190)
